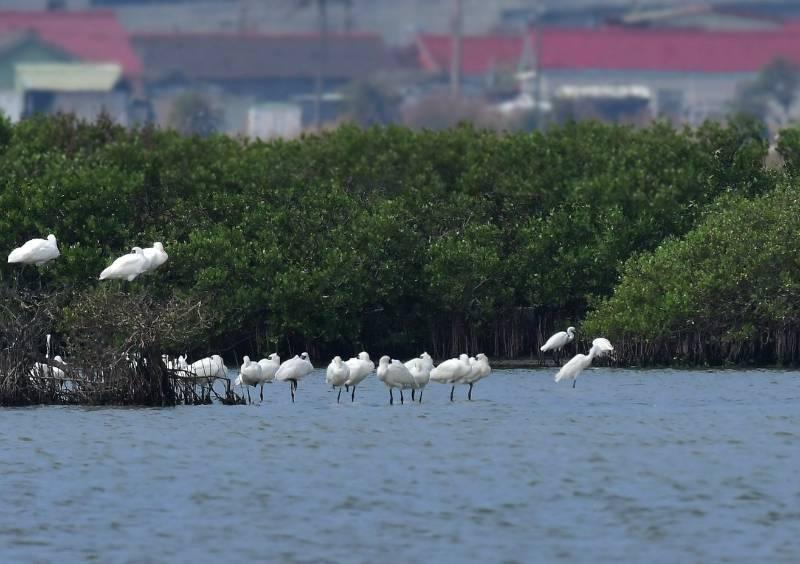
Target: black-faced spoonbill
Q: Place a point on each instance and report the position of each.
(337, 374)
(293, 370)
(360, 367)
(35, 251)
(394, 374)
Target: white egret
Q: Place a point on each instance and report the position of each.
(50, 368)
(155, 255)
(451, 372)
(558, 341)
(394, 374)
(360, 367)
(250, 375)
(35, 251)
(293, 370)
(480, 369)
(337, 374)
(579, 362)
(127, 267)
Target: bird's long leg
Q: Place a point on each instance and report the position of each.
(575, 381)
(291, 388)
(248, 394)
(420, 396)
(340, 394)
(412, 394)
(262, 391)
(453, 389)
(401, 396)
(469, 393)
(353, 395)
(391, 397)
(346, 388)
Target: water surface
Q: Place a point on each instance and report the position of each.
(633, 466)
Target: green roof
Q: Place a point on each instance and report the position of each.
(67, 77)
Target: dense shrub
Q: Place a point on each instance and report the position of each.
(383, 238)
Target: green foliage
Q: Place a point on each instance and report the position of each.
(730, 286)
(383, 238)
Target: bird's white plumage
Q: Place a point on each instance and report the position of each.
(451, 371)
(249, 373)
(360, 367)
(209, 368)
(127, 267)
(155, 255)
(559, 340)
(479, 369)
(295, 368)
(337, 373)
(394, 374)
(269, 366)
(35, 251)
(580, 362)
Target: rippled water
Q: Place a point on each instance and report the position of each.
(656, 466)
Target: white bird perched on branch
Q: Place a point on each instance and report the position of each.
(394, 374)
(559, 340)
(580, 362)
(337, 374)
(293, 370)
(155, 255)
(127, 267)
(35, 251)
(360, 367)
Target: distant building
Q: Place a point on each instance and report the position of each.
(242, 70)
(66, 61)
(692, 74)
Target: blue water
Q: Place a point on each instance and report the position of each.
(656, 466)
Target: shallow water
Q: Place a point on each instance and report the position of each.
(651, 466)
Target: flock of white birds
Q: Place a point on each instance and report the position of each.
(413, 375)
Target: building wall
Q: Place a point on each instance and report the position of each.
(89, 105)
(704, 95)
(28, 52)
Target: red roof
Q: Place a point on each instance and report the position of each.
(93, 36)
(667, 50)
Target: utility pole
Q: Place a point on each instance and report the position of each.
(455, 55)
(319, 80)
(537, 64)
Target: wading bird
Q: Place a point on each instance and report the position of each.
(451, 372)
(250, 375)
(480, 369)
(35, 251)
(127, 267)
(293, 370)
(208, 369)
(558, 341)
(420, 369)
(337, 374)
(580, 362)
(394, 374)
(269, 366)
(360, 367)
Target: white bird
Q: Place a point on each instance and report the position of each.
(360, 367)
(127, 267)
(50, 368)
(208, 369)
(35, 251)
(250, 375)
(394, 374)
(480, 369)
(337, 374)
(579, 362)
(559, 340)
(420, 369)
(155, 255)
(293, 370)
(269, 366)
(451, 372)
